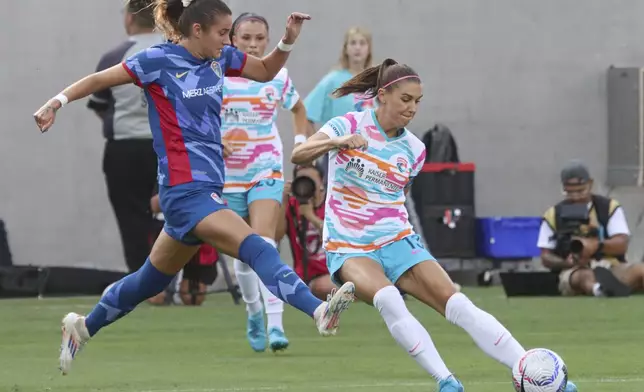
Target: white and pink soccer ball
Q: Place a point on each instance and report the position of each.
(540, 370)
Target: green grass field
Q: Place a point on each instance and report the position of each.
(180, 349)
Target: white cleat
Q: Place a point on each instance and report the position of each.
(75, 335)
(327, 315)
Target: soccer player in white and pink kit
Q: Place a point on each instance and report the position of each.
(367, 235)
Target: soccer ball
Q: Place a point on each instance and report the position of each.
(540, 370)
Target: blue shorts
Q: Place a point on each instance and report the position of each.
(185, 205)
(264, 190)
(395, 258)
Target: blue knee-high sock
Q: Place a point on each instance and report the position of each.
(125, 295)
(279, 278)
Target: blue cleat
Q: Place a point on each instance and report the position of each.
(450, 384)
(570, 387)
(277, 340)
(256, 332)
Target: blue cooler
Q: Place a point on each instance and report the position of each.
(508, 237)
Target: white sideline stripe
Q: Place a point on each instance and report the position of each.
(383, 385)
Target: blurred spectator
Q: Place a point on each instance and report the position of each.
(303, 216)
(354, 58)
(129, 161)
(195, 277)
(584, 239)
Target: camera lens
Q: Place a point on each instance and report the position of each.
(303, 188)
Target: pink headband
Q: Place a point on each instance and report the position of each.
(399, 79)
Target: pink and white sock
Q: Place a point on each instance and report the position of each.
(409, 333)
(486, 331)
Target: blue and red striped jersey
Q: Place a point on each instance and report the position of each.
(184, 103)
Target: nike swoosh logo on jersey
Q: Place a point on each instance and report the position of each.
(180, 75)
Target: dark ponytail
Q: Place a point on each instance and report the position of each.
(166, 17)
(243, 18)
(176, 21)
(372, 79)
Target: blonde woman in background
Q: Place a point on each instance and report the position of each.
(356, 56)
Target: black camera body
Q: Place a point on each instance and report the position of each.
(303, 188)
(572, 221)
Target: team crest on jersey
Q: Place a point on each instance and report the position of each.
(402, 164)
(217, 198)
(216, 68)
(356, 166)
(268, 94)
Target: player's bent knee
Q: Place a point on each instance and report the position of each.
(443, 295)
(460, 310)
(390, 303)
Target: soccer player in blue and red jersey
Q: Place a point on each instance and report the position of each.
(183, 82)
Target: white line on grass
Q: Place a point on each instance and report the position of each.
(341, 386)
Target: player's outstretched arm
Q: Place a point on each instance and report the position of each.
(266, 68)
(114, 76)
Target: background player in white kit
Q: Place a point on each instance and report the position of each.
(254, 168)
(367, 235)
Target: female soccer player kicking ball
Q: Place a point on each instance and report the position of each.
(254, 168)
(368, 238)
(183, 83)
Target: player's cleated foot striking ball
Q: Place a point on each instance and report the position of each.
(327, 315)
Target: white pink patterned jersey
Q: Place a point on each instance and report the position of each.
(249, 112)
(365, 206)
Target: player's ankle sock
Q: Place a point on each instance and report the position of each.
(279, 278)
(273, 306)
(486, 331)
(248, 285)
(597, 290)
(125, 294)
(409, 333)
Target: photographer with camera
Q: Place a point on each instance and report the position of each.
(584, 239)
(302, 221)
